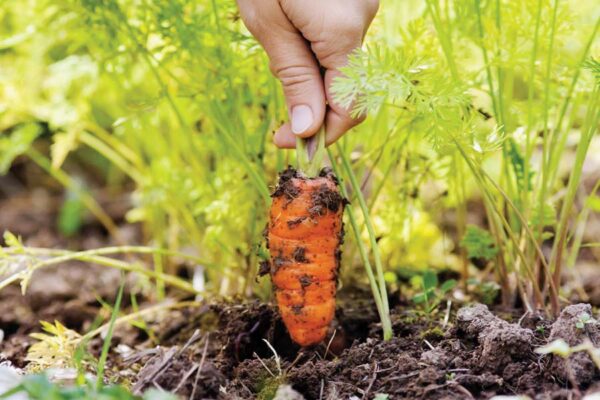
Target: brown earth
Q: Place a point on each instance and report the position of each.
(218, 350)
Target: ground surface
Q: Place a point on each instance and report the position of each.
(218, 349)
(478, 356)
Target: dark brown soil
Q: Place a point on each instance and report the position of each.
(219, 351)
(478, 357)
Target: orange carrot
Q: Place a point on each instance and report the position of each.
(304, 236)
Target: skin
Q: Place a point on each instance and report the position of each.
(305, 284)
(303, 38)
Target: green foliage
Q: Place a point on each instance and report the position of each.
(498, 88)
(39, 387)
(469, 102)
(139, 86)
(432, 294)
(420, 86)
(70, 216)
(16, 143)
(583, 320)
(55, 348)
(479, 243)
(594, 66)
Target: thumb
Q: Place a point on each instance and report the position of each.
(294, 64)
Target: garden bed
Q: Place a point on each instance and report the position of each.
(219, 350)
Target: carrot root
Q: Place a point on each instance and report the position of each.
(304, 235)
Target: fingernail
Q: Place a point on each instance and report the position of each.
(302, 119)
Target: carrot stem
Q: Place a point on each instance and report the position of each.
(310, 153)
(377, 285)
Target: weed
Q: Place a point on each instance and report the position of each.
(432, 293)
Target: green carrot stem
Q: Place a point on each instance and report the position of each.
(382, 309)
(310, 162)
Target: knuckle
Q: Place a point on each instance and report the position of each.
(350, 27)
(293, 77)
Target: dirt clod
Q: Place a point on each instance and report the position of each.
(500, 342)
(575, 325)
(300, 254)
(286, 187)
(325, 199)
(285, 392)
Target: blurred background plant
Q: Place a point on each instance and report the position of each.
(481, 113)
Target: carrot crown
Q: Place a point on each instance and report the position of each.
(310, 153)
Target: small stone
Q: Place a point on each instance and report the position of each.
(285, 392)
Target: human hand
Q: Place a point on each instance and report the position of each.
(302, 37)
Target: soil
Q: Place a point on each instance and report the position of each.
(218, 351)
(225, 349)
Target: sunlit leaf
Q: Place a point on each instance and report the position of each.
(16, 143)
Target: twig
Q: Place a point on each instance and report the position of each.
(405, 376)
(329, 343)
(447, 316)
(193, 339)
(523, 317)
(195, 336)
(185, 377)
(372, 381)
(264, 365)
(166, 360)
(193, 396)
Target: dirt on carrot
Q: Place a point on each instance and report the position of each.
(304, 235)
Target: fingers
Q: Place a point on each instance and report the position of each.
(292, 62)
(338, 120)
(300, 37)
(284, 138)
(303, 88)
(334, 35)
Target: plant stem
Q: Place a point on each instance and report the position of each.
(310, 161)
(546, 151)
(589, 129)
(372, 237)
(109, 334)
(556, 150)
(384, 314)
(94, 256)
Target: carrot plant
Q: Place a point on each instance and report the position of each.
(163, 94)
(497, 97)
(471, 104)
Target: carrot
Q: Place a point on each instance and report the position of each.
(304, 235)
